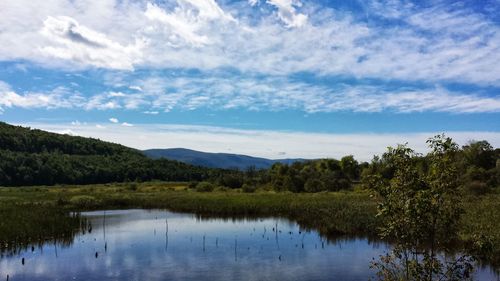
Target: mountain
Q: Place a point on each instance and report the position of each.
(215, 160)
(36, 157)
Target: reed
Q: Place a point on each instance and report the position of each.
(32, 214)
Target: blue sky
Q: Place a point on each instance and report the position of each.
(272, 78)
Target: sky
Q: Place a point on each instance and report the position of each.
(269, 78)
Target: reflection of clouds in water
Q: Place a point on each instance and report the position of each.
(136, 252)
(187, 262)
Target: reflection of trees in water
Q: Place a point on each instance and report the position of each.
(327, 235)
(31, 226)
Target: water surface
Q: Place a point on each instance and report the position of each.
(161, 245)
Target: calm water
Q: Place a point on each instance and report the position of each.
(135, 245)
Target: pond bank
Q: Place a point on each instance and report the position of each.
(349, 213)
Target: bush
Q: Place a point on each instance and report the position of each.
(248, 188)
(84, 201)
(314, 185)
(61, 201)
(192, 184)
(477, 188)
(221, 189)
(132, 186)
(205, 187)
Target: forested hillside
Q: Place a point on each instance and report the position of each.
(35, 157)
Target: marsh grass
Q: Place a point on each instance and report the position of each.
(333, 214)
(30, 224)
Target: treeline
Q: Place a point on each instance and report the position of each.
(35, 157)
(477, 163)
(302, 176)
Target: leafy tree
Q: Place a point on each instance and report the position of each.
(420, 213)
(479, 154)
(350, 167)
(314, 185)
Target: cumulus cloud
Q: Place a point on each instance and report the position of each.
(127, 124)
(78, 43)
(113, 120)
(263, 47)
(180, 28)
(440, 43)
(60, 97)
(287, 12)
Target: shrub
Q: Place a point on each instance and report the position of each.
(84, 201)
(477, 188)
(192, 184)
(132, 186)
(314, 185)
(221, 189)
(205, 187)
(247, 188)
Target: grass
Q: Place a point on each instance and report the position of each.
(24, 225)
(332, 214)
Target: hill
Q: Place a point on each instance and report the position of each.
(215, 160)
(36, 157)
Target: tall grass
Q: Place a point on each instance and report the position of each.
(332, 214)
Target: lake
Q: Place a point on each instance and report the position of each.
(162, 245)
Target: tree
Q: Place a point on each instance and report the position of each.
(479, 154)
(314, 185)
(350, 167)
(420, 213)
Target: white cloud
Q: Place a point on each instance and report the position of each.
(59, 97)
(100, 126)
(269, 144)
(66, 132)
(113, 120)
(80, 44)
(253, 2)
(280, 93)
(287, 12)
(440, 43)
(127, 124)
(137, 88)
(179, 27)
(257, 94)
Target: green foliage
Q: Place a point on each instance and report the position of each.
(314, 176)
(84, 201)
(247, 188)
(330, 212)
(477, 165)
(421, 214)
(34, 157)
(350, 167)
(28, 224)
(205, 187)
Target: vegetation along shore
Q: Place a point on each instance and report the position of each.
(48, 178)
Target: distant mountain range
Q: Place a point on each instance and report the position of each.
(215, 160)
